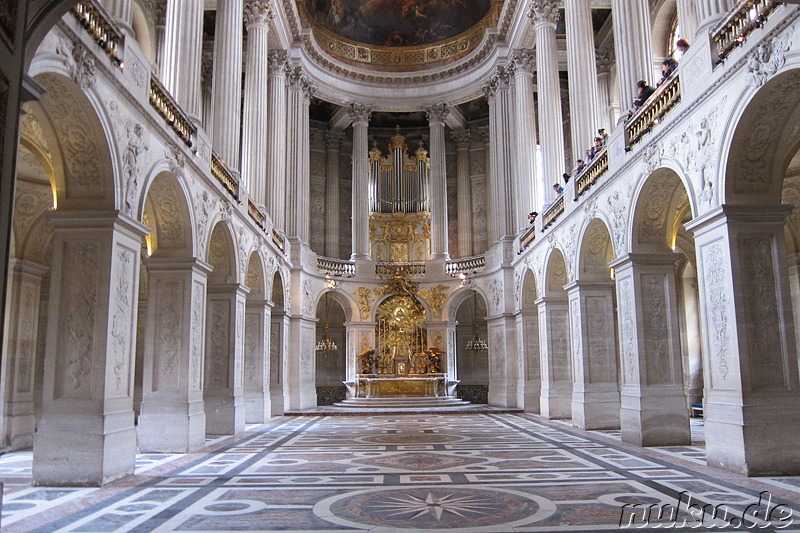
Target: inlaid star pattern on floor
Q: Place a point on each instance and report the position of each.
(484, 472)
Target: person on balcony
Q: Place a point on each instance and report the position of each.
(668, 66)
(645, 91)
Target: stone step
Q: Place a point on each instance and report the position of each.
(404, 402)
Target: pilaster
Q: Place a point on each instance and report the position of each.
(257, 393)
(333, 142)
(556, 364)
(462, 139)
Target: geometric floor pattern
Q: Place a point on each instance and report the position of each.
(472, 473)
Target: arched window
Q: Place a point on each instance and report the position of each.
(673, 36)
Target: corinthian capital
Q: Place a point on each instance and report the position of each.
(258, 12)
(437, 112)
(462, 138)
(277, 61)
(360, 112)
(544, 11)
(524, 61)
(333, 139)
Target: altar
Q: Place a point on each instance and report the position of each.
(390, 386)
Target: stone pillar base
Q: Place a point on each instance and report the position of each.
(753, 440)
(172, 432)
(532, 399)
(83, 450)
(597, 407)
(276, 403)
(225, 414)
(556, 402)
(257, 407)
(655, 416)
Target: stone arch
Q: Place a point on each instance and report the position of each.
(76, 128)
(530, 289)
(556, 274)
(762, 143)
(661, 199)
(42, 16)
(166, 211)
(451, 305)
(660, 27)
(332, 310)
(222, 254)
(349, 306)
(256, 277)
(528, 337)
(595, 251)
(469, 312)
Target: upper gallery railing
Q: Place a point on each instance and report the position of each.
(279, 241)
(465, 265)
(389, 270)
(223, 175)
(592, 173)
(553, 212)
(527, 238)
(336, 267)
(170, 111)
(256, 214)
(746, 17)
(101, 28)
(666, 97)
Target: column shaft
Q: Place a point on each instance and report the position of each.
(582, 74)
(257, 111)
(632, 38)
(276, 140)
(298, 186)
(687, 18)
(333, 141)
(526, 176)
(551, 130)
(182, 54)
(438, 181)
(228, 82)
(360, 114)
(464, 193)
(503, 201)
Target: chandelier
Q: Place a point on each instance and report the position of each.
(326, 344)
(476, 343)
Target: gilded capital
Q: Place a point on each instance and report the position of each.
(544, 12)
(258, 13)
(360, 112)
(437, 112)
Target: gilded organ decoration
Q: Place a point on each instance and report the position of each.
(400, 238)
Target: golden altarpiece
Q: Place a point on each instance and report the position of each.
(401, 363)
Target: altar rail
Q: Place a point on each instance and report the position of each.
(653, 111)
(553, 212)
(336, 267)
(390, 270)
(99, 25)
(465, 265)
(170, 111)
(592, 173)
(746, 17)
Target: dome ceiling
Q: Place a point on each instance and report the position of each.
(399, 35)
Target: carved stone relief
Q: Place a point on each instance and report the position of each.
(767, 59)
(217, 347)
(577, 345)
(198, 312)
(717, 312)
(131, 165)
(628, 327)
(167, 340)
(656, 328)
(121, 319)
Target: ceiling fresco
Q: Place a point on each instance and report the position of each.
(397, 23)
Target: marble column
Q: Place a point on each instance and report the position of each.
(480, 186)
(582, 73)
(122, 13)
(436, 114)
(183, 43)
(709, 12)
(653, 403)
(463, 139)
(360, 114)
(527, 324)
(606, 118)
(160, 25)
(298, 154)
(19, 365)
(223, 392)
(275, 188)
(632, 38)
(687, 19)
(172, 416)
(750, 365)
(227, 79)
(333, 142)
(544, 14)
(207, 89)
(278, 348)
(85, 433)
(502, 200)
(527, 175)
(257, 109)
(257, 394)
(554, 350)
(595, 390)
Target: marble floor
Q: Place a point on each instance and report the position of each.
(422, 472)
